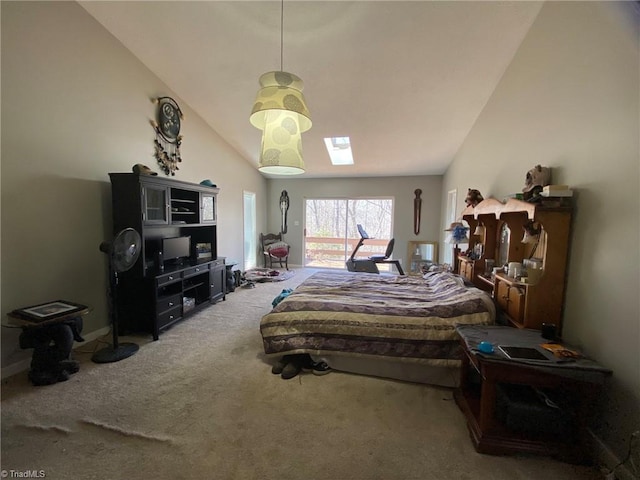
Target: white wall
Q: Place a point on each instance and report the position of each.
(570, 100)
(76, 106)
(400, 188)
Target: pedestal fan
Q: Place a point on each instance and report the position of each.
(123, 252)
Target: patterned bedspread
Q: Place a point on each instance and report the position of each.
(409, 318)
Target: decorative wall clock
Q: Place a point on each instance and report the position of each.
(168, 138)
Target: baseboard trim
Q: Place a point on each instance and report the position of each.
(610, 460)
(23, 365)
(15, 368)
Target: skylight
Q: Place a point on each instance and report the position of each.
(339, 149)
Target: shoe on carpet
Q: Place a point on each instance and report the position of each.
(291, 369)
(48, 376)
(321, 368)
(70, 366)
(317, 368)
(280, 364)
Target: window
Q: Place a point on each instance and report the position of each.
(339, 149)
(331, 231)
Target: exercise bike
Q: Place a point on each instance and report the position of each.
(366, 265)
(369, 265)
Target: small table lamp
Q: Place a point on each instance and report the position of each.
(457, 234)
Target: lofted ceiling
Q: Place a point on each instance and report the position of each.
(404, 80)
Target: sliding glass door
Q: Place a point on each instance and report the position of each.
(331, 231)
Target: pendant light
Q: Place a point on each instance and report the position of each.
(281, 112)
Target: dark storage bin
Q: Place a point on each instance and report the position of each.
(520, 408)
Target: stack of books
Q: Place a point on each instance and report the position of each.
(557, 191)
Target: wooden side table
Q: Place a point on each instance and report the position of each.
(477, 398)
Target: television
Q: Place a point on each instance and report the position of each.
(175, 249)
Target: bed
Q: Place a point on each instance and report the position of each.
(400, 327)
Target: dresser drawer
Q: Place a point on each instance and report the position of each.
(168, 303)
(170, 316)
(217, 262)
(515, 308)
(169, 278)
(190, 272)
(502, 295)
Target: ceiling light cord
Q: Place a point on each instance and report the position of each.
(281, 34)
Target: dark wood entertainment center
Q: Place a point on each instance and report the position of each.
(158, 292)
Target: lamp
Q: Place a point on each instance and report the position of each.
(281, 152)
(457, 234)
(281, 112)
(280, 91)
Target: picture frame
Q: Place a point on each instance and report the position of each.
(49, 311)
(203, 251)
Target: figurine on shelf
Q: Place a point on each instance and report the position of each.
(537, 178)
(531, 232)
(474, 197)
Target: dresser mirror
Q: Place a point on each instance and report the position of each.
(421, 254)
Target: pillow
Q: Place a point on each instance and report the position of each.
(278, 249)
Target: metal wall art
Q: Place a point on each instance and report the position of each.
(168, 138)
(417, 211)
(284, 206)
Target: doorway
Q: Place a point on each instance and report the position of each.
(250, 242)
(452, 198)
(331, 231)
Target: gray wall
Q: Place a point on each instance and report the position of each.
(400, 188)
(76, 106)
(570, 101)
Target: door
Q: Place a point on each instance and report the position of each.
(452, 199)
(155, 204)
(331, 231)
(250, 234)
(502, 295)
(207, 208)
(217, 279)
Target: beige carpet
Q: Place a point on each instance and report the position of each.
(201, 403)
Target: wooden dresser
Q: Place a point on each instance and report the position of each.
(525, 302)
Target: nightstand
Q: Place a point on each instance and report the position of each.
(502, 421)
